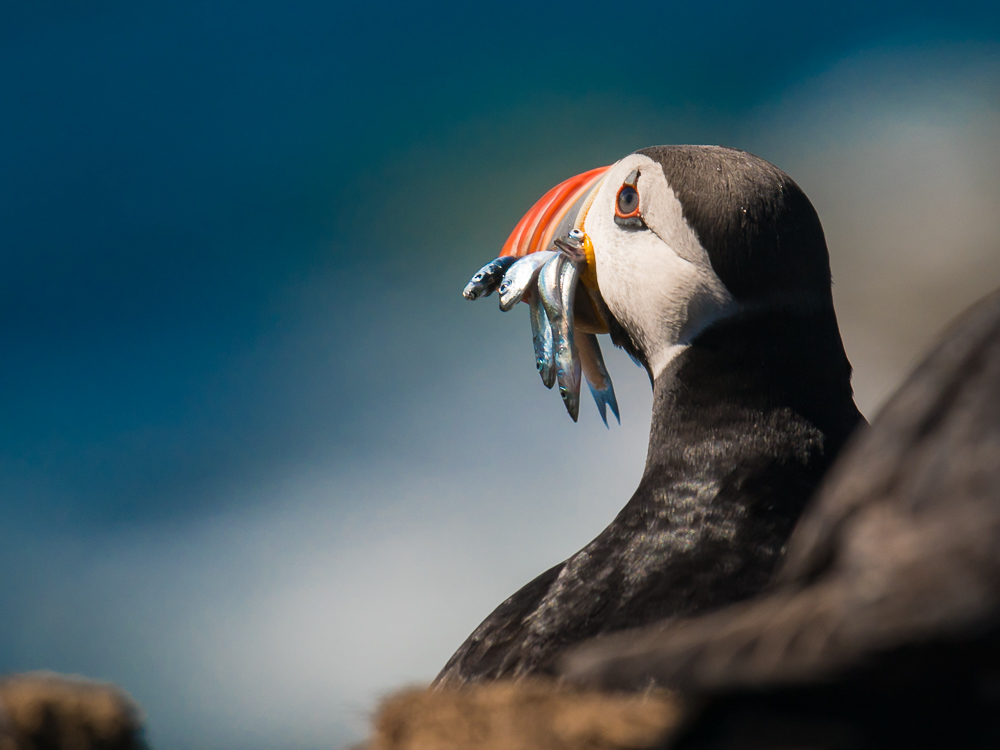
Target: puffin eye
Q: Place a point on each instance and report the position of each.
(627, 204)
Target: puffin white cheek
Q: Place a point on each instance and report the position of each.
(662, 299)
(643, 283)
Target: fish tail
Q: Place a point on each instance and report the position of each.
(597, 375)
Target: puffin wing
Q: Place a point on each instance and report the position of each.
(898, 551)
(491, 651)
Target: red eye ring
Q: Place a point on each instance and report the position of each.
(627, 202)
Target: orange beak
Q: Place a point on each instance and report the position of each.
(563, 208)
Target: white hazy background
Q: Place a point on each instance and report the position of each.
(282, 624)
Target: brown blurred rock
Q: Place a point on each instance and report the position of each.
(526, 715)
(47, 711)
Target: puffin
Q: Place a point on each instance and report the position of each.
(882, 628)
(709, 266)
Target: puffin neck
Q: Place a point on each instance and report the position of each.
(763, 375)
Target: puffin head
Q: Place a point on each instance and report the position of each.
(678, 238)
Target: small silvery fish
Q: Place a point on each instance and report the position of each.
(520, 277)
(596, 373)
(557, 288)
(547, 280)
(541, 338)
(569, 275)
(487, 278)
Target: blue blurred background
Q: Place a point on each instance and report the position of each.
(260, 463)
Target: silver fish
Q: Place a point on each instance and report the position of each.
(568, 278)
(557, 288)
(487, 278)
(594, 369)
(520, 277)
(541, 337)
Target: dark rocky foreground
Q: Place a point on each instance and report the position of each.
(47, 711)
(526, 715)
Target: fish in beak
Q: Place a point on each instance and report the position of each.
(544, 262)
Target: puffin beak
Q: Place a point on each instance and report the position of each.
(560, 210)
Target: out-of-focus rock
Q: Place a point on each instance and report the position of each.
(47, 711)
(527, 715)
